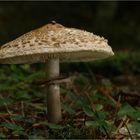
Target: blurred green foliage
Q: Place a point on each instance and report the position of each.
(122, 62)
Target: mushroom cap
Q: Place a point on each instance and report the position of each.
(54, 41)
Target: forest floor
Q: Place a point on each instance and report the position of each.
(100, 101)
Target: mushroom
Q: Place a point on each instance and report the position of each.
(51, 44)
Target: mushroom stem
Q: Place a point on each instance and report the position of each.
(53, 92)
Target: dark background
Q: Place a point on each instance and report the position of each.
(117, 21)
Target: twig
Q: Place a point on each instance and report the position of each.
(65, 80)
(124, 122)
(132, 94)
(6, 107)
(56, 80)
(121, 124)
(128, 130)
(78, 113)
(90, 101)
(106, 93)
(22, 108)
(8, 111)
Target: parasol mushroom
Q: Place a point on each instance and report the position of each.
(51, 44)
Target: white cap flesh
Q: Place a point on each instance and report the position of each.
(54, 41)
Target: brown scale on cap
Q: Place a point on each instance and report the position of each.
(55, 39)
